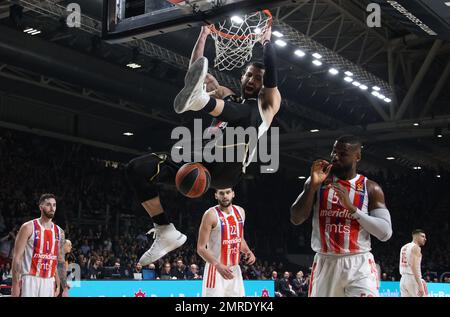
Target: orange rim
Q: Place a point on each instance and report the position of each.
(239, 37)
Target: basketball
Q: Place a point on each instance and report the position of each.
(193, 180)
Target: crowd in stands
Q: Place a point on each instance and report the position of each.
(107, 225)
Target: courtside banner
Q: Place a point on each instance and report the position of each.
(422, 17)
(392, 289)
(170, 288)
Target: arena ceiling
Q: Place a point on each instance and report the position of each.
(68, 83)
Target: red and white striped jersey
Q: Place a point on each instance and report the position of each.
(334, 229)
(41, 252)
(225, 240)
(405, 266)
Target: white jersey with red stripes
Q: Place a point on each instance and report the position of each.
(41, 252)
(335, 231)
(406, 264)
(225, 240)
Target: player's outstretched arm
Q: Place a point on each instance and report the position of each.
(269, 96)
(19, 249)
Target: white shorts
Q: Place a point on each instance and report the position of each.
(34, 286)
(214, 285)
(409, 287)
(344, 276)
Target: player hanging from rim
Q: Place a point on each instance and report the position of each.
(259, 103)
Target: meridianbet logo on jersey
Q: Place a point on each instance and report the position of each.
(232, 241)
(45, 256)
(336, 213)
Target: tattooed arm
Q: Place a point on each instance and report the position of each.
(62, 273)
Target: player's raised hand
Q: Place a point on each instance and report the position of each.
(266, 36)
(206, 30)
(225, 271)
(320, 170)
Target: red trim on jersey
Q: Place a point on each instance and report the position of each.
(37, 246)
(323, 201)
(224, 233)
(312, 279)
(358, 201)
(48, 244)
(232, 235)
(55, 262)
(208, 276)
(214, 277)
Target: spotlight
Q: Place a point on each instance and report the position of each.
(363, 87)
(348, 79)
(356, 83)
(317, 55)
(376, 88)
(237, 19)
(350, 74)
(317, 62)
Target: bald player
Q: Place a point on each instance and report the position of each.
(347, 209)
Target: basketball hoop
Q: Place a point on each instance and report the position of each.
(235, 38)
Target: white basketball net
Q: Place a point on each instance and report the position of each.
(236, 37)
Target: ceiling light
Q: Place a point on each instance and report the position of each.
(317, 62)
(333, 71)
(134, 65)
(363, 87)
(388, 100)
(277, 34)
(376, 88)
(317, 55)
(348, 79)
(356, 83)
(390, 158)
(301, 177)
(299, 53)
(314, 130)
(257, 31)
(237, 19)
(280, 43)
(438, 176)
(375, 93)
(128, 133)
(417, 167)
(382, 97)
(416, 124)
(350, 74)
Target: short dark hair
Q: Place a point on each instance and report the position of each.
(350, 139)
(257, 64)
(45, 197)
(416, 231)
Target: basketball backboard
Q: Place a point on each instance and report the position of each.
(125, 20)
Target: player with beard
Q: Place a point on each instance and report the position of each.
(38, 266)
(348, 208)
(220, 243)
(259, 103)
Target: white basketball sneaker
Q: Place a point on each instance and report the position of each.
(193, 96)
(167, 238)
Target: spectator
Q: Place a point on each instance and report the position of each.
(165, 273)
(179, 271)
(286, 289)
(299, 285)
(192, 274)
(96, 271)
(137, 273)
(117, 272)
(274, 278)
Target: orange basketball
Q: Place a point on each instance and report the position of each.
(193, 180)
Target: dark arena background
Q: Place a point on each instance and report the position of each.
(84, 89)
